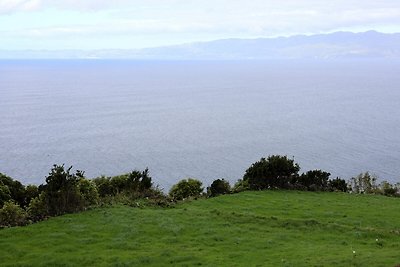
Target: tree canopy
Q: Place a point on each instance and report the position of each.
(274, 172)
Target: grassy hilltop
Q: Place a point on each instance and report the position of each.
(268, 228)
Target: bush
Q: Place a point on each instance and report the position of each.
(315, 180)
(12, 215)
(139, 181)
(219, 187)
(185, 189)
(338, 184)
(88, 192)
(240, 186)
(388, 189)
(135, 183)
(16, 189)
(37, 209)
(104, 186)
(274, 172)
(62, 193)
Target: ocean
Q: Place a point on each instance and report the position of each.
(199, 119)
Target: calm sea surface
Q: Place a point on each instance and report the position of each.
(205, 120)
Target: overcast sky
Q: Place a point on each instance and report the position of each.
(98, 24)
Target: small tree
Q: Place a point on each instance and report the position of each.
(219, 187)
(186, 188)
(274, 172)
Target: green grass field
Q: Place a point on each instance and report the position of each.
(269, 228)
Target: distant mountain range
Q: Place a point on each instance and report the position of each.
(336, 45)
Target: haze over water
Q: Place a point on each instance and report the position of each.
(206, 120)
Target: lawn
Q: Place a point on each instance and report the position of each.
(269, 228)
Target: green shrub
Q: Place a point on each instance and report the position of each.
(37, 209)
(388, 189)
(62, 192)
(16, 189)
(12, 214)
(315, 180)
(240, 186)
(274, 172)
(185, 189)
(338, 184)
(104, 186)
(219, 187)
(88, 192)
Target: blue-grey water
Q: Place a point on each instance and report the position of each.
(205, 120)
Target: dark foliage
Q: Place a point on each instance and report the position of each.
(315, 180)
(61, 191)
(338, 184)
(104, 186)
(16, 190)
(274, 172)
(219, 187)
(135, 183)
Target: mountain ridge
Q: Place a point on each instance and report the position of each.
(336, 45)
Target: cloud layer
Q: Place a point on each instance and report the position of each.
(159, 22)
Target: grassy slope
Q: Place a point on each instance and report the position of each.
(285, 228)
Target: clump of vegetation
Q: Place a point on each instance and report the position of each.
(271, 173)
(11, 214)
(280, 172)
(186, 188)
(68, 192)
(240, 186)
(364, 183)
(338, 184)
(12, 189)
(388, 189)
(315, 180)
(219, 187)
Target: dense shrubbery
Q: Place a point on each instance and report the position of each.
(219, 187)
(280, 172)
(185, 189)
(11, 214)
(270, 173)
(315, 180)
(66, 192)
(12, 189)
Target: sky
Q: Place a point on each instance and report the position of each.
(131, 24)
